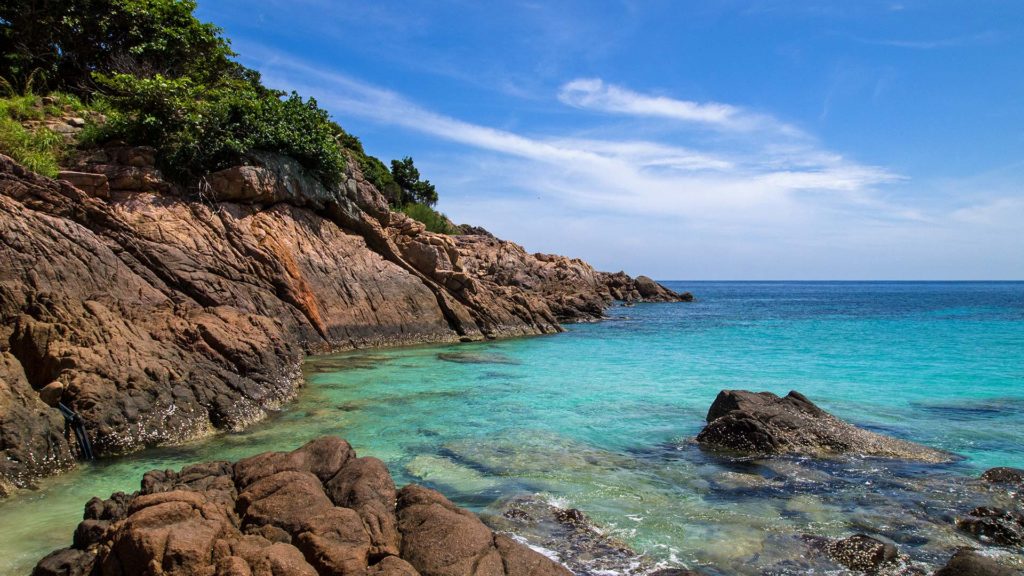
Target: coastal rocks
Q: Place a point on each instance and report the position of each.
(762, 423)
(1004, 475)
(996, 525)
(165, 319)
(569, 535)
(865, 554)
(318, 510)
(967, 562)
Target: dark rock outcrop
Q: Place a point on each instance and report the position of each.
(762, 423)
(1004, 475)
(161, 317)
(996, 525)
(318, 510)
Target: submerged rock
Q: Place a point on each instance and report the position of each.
(762, 423)
(318, 510)
(967, 562)
(1004, 475)
(997, 525)
(570, 536)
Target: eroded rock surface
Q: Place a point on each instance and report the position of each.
(763, 423)
(319, 510)
(160, 317)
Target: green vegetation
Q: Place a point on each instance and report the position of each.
(164, 79)
(432, 219)
(408, 179)
(199, 128)
(39, 149)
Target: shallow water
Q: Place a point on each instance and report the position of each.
(599, 418)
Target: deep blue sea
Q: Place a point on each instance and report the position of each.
(601, 418)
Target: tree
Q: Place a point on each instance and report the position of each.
(408, 178)
(67, 41)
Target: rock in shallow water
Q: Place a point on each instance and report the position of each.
(316, 510)
(762, 423)
(968, 562)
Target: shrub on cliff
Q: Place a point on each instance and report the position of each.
(198, 128)
(432, 219)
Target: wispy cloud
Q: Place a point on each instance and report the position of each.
(986, 37)
(594, 94)
(768, 193)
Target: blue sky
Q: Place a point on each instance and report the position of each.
(686, 139)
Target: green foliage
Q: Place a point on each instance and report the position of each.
(198, 129)
(432, 219)
(165, 79)
(59, 44)
(407, 177)
(38, 150)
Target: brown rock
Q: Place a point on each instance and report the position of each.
(168, 319)
(439, 539)
(94, 185)
(763, 423)
(285, 499)
(188, 525)
(51, 393)
(335, 542)
(365, 486)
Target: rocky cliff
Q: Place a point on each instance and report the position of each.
(159, 316)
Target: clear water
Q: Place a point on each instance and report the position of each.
(600, 418)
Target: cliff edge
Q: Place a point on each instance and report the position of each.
(160, 317)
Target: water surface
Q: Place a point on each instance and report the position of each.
(600, 418)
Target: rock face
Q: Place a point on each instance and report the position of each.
(159, 318)
(319, 510)
(763, 423)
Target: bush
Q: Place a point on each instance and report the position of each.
(432, 219)
(198, 129)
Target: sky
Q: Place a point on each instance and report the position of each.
(720, 140)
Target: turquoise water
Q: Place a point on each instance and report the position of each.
(600, 418)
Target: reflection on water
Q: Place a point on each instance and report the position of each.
(600, 419)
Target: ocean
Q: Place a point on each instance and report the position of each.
(601, 418)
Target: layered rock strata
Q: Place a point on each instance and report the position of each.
(319, 510)
(160, 317)
(762, 423)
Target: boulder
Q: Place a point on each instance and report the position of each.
(1004, 475)
(861, 552)
(271, 514)
(439, 539)
(94, 185)
(996, 525)
(967, 562)
(762, 423)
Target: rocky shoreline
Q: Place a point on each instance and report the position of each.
(160, 317)
(322, 510)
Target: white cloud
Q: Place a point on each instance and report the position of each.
(769, 202)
